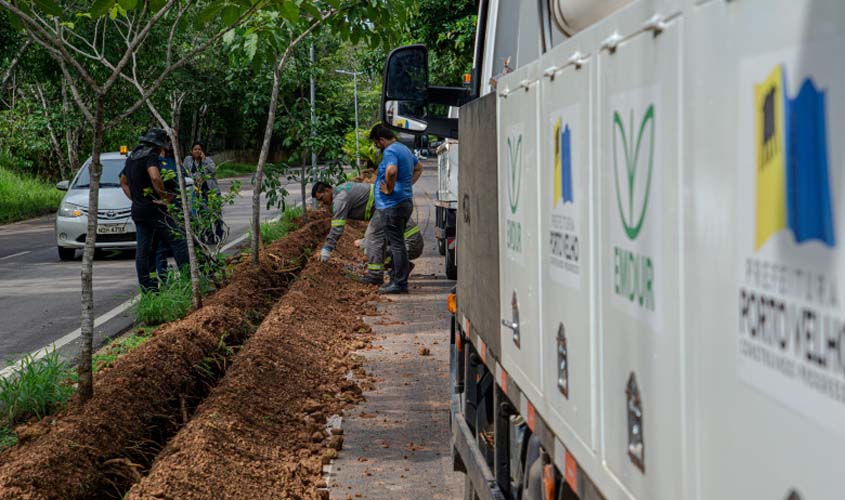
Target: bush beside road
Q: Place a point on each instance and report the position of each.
(24, 197)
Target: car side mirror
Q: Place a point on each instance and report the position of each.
(406, 95)
(63, 186)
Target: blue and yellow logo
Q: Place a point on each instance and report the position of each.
(562, 164)
(792, 183)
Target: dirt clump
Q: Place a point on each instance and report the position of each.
(261, 433)
(100, 448)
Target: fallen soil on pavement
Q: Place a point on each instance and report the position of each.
(101, 448)
(261, 433)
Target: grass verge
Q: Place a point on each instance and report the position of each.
(22, 197)
(117, 347)
(272, 231)
(172, 301)
(37, 389)
(235, 170)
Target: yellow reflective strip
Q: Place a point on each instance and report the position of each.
(375, 267)
(368, 212)
(410, 232)
(338, 223)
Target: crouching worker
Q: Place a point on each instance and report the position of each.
(374, 238)
(356, 201)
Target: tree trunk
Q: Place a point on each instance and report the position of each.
(54, 139)
(175, 114)
(86, 380)
(196, 292)
(71, 135)
(262, 161)
(304, 180)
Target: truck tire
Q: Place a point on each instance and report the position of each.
(67, 253)
(441, 246)
(451, 264)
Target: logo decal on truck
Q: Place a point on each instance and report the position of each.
(633, 137)
(514, 171)
(568, 168)
(637, 163)
(790, 328)
(514, 216)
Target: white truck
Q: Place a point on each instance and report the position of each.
(652, 200)
(446, 202)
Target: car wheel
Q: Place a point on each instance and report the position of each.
(67, 253)
(441, 246)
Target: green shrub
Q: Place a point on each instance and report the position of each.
(370, 155)
(36, 389)
(171, 302)
(22, 197)
(272, 231)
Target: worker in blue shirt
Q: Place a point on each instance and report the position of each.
(398, 171)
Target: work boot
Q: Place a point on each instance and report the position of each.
(369, 279)
(392, 289)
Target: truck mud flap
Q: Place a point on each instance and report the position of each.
(463, 443)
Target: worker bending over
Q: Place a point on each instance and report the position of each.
(356, 201)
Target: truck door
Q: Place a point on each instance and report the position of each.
(639, 161)
(518, 230)
(566, 197)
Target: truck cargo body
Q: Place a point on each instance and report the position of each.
(651, 211)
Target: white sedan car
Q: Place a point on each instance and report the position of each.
(115, 229)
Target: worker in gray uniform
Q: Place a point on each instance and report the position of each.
(356, 201)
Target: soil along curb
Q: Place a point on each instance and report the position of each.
(261, 431)
(101, 448)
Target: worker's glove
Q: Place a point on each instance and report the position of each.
(325, 253)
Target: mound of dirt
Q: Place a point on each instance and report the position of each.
(261, 432)
(100, 448)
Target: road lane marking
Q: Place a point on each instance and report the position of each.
(70, 337)
(16, 254)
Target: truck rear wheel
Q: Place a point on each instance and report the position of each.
(451, 264)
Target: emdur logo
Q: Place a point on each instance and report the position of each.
(637, 163)
(514, 171)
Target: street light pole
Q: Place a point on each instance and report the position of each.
(355, 91)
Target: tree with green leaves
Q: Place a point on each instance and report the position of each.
(274, 38)
(94, 47)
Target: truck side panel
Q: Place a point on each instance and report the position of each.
(478, 229)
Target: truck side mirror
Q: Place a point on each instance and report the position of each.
(63, 186)
(406, 95)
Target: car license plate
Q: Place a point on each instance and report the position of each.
(111, 228)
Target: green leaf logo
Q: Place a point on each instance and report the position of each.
(514, 172)
(633, 213)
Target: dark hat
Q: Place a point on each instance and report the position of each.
(156, 137)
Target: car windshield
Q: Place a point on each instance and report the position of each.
(109, 178)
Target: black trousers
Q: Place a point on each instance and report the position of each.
(395, 220)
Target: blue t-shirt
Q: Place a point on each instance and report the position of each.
(399, 155)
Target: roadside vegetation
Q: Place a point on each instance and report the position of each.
(171, 302)
(22, 197)
(34, 390)
(229, 169)
(276, 230)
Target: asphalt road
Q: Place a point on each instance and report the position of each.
(40, 295)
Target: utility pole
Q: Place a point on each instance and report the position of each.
(313, 126)
(355, 91)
